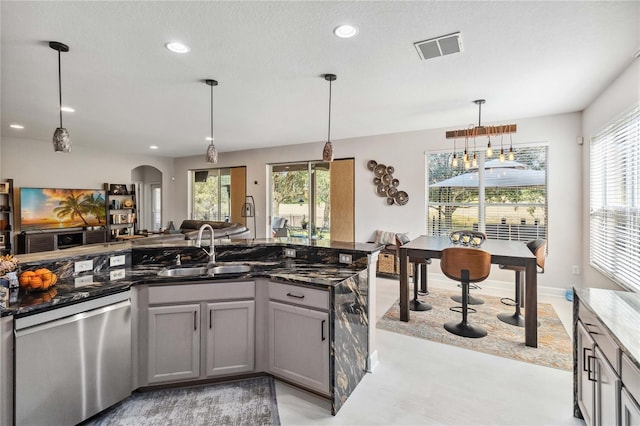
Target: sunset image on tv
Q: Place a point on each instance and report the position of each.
(48, 208)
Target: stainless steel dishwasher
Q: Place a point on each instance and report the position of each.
(72, 362)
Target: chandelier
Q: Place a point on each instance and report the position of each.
(472, 132)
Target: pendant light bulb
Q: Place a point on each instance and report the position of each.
(212, 153)
(474, 161)
(489, 149)
(501, 155)
(327, 151)
(454, 162)
(467, 165)
(61, 139)
(512, 154)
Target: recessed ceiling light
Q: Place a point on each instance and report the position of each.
(67, 109)
(177, 47)
(153, 146)
(16, 126)
(345, 31)
(208, 138)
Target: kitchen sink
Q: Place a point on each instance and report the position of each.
(195, 271)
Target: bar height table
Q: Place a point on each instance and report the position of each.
(513, 253)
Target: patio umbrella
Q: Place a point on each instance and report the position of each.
(497, 174)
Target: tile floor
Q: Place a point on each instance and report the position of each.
(423, 382)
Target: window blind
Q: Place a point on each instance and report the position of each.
(506, 200)
(615, 201)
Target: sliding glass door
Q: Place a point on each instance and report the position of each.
(304, 197)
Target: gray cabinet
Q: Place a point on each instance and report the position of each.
(230, 337)
(597, 373)
(629, 410)
(585, 389)
(196, 331)
(607, 390)
(173, 343)
(630, 393)
(299, 336)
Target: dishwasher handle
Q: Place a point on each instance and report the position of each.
(73, 318)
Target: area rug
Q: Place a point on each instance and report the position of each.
(554, 345)
(244, 402)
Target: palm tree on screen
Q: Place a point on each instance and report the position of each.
(71, 207)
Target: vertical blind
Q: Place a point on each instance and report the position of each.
(615, 201)
(506, 200)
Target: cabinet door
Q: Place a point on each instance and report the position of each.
(299, 345)
(629, 410)
(585, 374)
(173, 343)
(607, 391)
(230, 340)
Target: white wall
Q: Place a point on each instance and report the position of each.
(34, 164)
(405, 152)
(619, 97)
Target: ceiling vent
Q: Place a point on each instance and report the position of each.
(439, 46)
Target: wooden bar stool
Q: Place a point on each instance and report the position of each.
(466, 265)
(538, 248)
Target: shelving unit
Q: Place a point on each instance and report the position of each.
(6, 216)
(122, 220)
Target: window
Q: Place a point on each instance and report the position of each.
(211, 194)
(614, 213)
(507, 200)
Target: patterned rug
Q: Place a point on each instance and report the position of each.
(554, 345)
(244, 402)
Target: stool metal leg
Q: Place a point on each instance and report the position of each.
(415, 304)
(516, 318)
(423, 279)
(463, 328)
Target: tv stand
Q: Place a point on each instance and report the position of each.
(34, 242)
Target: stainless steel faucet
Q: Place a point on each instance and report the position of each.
(212, 252)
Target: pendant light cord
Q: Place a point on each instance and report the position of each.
(212, 114)
(329, 130)
(60, 87)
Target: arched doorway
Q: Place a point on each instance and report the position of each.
(148, 183)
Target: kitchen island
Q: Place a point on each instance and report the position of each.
(275, 264)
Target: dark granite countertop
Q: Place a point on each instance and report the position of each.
(79, 288)
(619, 312)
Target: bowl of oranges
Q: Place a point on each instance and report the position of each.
(38, 280)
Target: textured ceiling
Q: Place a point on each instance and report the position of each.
(526, 58)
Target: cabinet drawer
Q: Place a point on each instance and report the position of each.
(179, 293)
(299, 295)
(601, 336)
(630, 377)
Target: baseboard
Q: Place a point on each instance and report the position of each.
(372, 361)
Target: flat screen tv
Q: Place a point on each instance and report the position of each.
(54, 208)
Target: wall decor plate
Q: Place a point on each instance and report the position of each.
(401, 198)
(377, 181)
(392, 191)
(387, 179)
(380, 170)
(395, 182)
(390, 201)
(371, 164)
(381, 190)
(390, 170)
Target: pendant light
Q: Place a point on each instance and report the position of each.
(327, 152)
(61, 138)
(212, 152)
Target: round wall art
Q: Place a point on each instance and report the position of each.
(386, 185)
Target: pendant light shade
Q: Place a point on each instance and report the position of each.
(61, 138)
(327, 151)
(212, 153)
